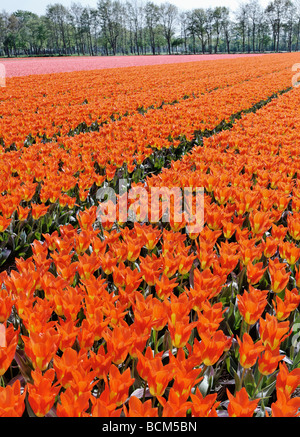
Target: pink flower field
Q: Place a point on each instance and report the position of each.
(28, 66)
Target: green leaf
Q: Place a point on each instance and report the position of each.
(249, 382)
(266, 392)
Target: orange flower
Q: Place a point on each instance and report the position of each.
(271, 332)
(38, 211)
(151, 235)
(119, 342)
(255, 272)
(41, 347)
(252, 304)
(185, 375)
(270, 246)
(8, 347)
(180, 330)
(72, 405)
(63, 366)
(6, 303)
(23, 212)
(119, 384)
(279, 276)
(11, 400)
(289, 251)
(294, 226)
(100, 362)
(87, 217)
(87, 265)
(287, 381)
(175, 406)
(240, 405)
(260, 222)
(211, 347)
(249, 350)
(297, 276)
(204, 406)
(108, 262)
(165, 286)
(136, 408)
(41, 394)
(249, 251)
(4, 223)
(133, 248)
(285, 306)
(229, 229)
(268, 361)
(102, 407)
(278, 232)
(151, 268)
(85, 335)
(152, 370)
(210, 318)
(67, 332)
(68, 302)
(285, 407)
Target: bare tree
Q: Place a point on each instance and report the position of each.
(217, 20)
(110, 17)
(168, 16)
(275, 12)
(254, 11)
(152, 17)
(242, 23)
(200, 22)
(227, 27)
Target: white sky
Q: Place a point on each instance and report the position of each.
(39, 6)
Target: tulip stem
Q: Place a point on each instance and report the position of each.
(242, 378)
(257, 385)
(2, 382)
(203, 370)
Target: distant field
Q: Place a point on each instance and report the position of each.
(27, 66)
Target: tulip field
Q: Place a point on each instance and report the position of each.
(151, 318)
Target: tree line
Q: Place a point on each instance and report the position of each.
(137, 27)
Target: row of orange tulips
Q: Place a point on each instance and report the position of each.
(55, 104)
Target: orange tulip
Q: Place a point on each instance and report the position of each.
(72, 405)
(4, 223)
(252, 304)
(240, 405)
(272, 332)
(255, 272)
(284, 307)
(6, 303)
(8, 347)
(287, 381)
(204, 406)
(285, 407)
(249, 351)
(12, 400)
(119, 384)
(211, 347)
(268, 361)
(279, 276)
(41, 347)
(41, 394)
(137, 408)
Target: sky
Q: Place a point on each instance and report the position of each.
(39, 6)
